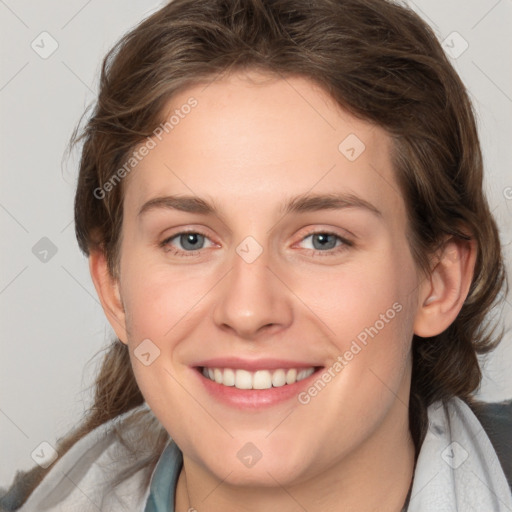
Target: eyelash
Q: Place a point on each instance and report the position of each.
(331, 252)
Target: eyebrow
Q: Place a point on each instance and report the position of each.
(298, 204)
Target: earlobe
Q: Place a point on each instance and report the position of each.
(109, 294)
(443, 293)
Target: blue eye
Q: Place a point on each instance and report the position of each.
(190, 242)
(325, 243)
(324, 240)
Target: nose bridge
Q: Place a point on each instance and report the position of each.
(251, 297)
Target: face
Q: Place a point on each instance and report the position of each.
(268, 287)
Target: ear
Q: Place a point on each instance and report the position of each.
(443, 293)
(109, 294)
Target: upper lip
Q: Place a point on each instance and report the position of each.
(253, 365)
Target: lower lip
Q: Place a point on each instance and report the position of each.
(254, 398)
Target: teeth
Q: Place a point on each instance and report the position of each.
(217, 375)
(229, 377)
(304, 374)
(243, 379)
(261, 379)
(291, 376)
(278, 378)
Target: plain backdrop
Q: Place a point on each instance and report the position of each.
(52, 324)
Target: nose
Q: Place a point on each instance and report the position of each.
(253, 299)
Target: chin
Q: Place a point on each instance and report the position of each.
(249, 466)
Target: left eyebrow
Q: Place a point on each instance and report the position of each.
(297, 204)
(316, 202)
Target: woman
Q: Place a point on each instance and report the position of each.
(282, 207)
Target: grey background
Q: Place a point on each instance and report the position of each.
(51, 320)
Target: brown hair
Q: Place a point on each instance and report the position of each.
(381, 63)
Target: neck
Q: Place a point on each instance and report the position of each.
(376, 476)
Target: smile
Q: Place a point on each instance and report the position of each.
(260, 379)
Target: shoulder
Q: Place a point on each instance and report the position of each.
(13, 497)
(496, 419)
(492, 421)
(109, 467)
(457, 467)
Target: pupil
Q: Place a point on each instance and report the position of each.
(192, 239)
(322, 238)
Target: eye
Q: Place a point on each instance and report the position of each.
(189, 243)
(326, 243)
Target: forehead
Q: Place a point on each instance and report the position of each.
(253, 139)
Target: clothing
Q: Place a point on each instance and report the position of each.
(167, 470)
(457, 469)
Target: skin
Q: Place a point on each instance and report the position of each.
(251, 143)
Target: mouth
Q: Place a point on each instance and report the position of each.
(260, 379)
(247, 385)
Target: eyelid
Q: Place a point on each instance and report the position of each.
(186, 232)
(328, 231)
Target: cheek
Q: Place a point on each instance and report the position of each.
(355, 296)
(369, 309)
(156, 297)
